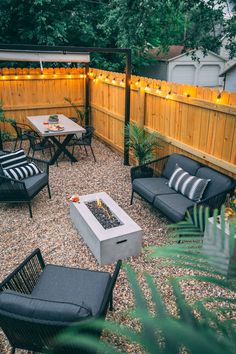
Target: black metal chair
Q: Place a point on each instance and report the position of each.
(85, 140)
(37, 144)
(21, 132)
(23, 191)
(39, 301)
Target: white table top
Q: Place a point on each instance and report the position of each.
(70, 127)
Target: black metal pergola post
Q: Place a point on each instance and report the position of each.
(66, 50)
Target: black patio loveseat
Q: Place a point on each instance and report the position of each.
(166, 184)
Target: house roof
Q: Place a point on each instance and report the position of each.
(175, 51)
(228, 69)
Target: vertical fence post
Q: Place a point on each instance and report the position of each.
(87, 111)
(141, 107)
(127, 104)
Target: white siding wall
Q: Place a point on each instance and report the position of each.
(230, 80)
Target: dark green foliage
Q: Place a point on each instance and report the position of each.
(138, 24)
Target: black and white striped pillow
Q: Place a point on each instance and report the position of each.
(13, 159)
(188, 185)
(22, 172)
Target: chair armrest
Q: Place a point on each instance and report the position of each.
(42, 164)
(157, 166)
(24, 278)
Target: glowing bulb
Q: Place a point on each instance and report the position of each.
(186, 94)
(218, 98)
(16, 77)
(81, 76)
(95, 79)
(122, 83)
(137, 82)
(147, 88)
(28, 76)
(107, 79)
(69, 76)
(158, 90)
(168, 95)
(3, 77)
(113, 81)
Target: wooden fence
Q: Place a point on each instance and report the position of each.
(198, 122)
(27, 92)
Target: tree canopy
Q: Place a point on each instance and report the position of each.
(137, 24)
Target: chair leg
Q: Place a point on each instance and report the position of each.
(33, 153)
(132, 196)
(15, 144)
(93, 153)
(85, 150)
(50, 149)
(49, 192)
(13, 350)
(111, 303)
(30, 210)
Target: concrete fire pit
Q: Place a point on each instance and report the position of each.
(107, 245)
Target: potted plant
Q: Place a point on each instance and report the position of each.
(80, 115)
(142, 144)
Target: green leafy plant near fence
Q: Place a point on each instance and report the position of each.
(141, 143)
(80, 115)
(197, 328)
(4, 135)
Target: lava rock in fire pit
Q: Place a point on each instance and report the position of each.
(103, 214)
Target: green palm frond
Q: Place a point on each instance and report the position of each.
(141, 143)
(79, 113)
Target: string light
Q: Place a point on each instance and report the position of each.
(100, 76)
(3, 77)
(107, 79)
(122, 83)
(95, 79)
(69, 76)
(16, 77)
(186, 94)
(147, 88)
(81, 76)
(168, 95)
(218, 97)
(113, 81)
(137, 82)
(158, 90)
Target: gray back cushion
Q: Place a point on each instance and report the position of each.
(21, 305)
(219, 183)
(184, 162)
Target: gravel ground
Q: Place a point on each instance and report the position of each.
(52, 231)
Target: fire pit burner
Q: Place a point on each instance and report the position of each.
(103, 214)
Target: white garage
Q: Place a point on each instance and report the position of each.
(176, 66)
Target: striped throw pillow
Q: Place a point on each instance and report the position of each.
(190, 186)
(22, 172)
(13, 159)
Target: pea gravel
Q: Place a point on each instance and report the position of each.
(52, 231)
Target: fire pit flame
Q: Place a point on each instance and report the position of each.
(106, 210)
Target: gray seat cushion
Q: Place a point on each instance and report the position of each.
(35, 309)
(219, 182)
(184, 162)
(35, 183)
(174, 206)
(148, 188)
(79, 286)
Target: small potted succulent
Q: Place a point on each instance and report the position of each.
(142, 144)
(53, 119)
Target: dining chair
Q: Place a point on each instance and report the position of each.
(21, 132)
(85, 140)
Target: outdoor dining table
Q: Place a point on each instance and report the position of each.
(40, 124)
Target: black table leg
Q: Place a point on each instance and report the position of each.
(61, 149)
